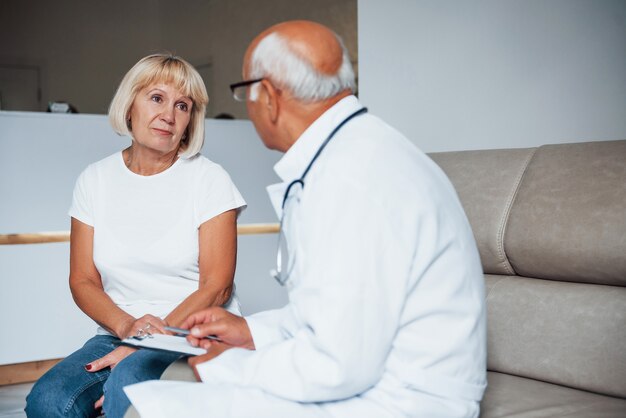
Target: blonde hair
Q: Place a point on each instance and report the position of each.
(168, 69)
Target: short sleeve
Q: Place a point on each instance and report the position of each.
(216, 194)
(82, 200)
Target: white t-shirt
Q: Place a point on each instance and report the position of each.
(146, 228)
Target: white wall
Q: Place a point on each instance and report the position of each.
(456, 75)
(40, 157)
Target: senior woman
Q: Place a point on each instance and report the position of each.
(153, 240)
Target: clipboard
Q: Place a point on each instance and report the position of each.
(165, 342)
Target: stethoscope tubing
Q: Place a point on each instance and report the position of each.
(319, 151)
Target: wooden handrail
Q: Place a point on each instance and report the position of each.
(251, 229)
(11, 374)
(64, 236)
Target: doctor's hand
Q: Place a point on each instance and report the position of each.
(230, 329)
(215, 350)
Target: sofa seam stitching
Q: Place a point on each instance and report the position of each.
(496, 284)
(507, 211)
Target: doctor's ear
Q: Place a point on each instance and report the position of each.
(269, 97)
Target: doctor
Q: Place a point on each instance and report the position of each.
(386, 314)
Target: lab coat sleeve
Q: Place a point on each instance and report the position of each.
(272, 326)
(345, 305)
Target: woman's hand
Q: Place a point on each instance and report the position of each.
(110, 360)
(147, 324)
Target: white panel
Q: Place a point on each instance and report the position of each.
(41, 156)
(456, 75)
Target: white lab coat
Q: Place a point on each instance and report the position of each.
(386, 312)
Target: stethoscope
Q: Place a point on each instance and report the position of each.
(300, 180)
(277, 272)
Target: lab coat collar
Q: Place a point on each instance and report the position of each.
(294, 162)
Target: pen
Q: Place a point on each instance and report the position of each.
(183, 332)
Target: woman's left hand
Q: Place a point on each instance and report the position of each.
(110, 360)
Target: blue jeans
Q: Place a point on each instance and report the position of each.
(68, 390)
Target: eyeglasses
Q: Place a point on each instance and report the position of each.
(285, 256)
(240, 89)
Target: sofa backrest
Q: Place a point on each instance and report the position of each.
(550, 225)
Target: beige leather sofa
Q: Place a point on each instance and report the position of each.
(550, 223)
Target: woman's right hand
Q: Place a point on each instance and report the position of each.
(147, 324)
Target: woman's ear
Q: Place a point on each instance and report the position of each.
(270, 98)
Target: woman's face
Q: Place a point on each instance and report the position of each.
(159, 117)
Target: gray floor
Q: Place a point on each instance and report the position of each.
(12, 400)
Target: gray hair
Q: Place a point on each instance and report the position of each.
(273, 57)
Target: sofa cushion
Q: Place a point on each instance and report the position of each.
(571, 334)
(487, 182)
(518, 397)
(568, 221)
